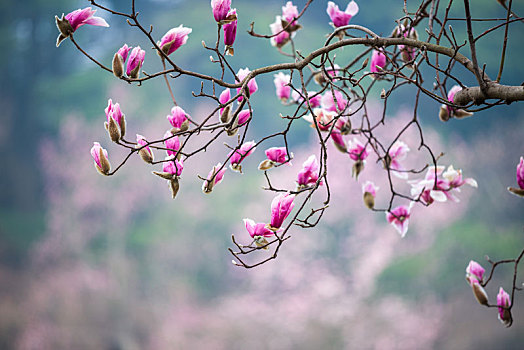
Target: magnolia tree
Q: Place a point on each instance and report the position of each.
(334, 99)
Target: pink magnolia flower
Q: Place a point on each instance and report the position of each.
(397, 153)
(447, 112)
(281, 207)
(309, 173)
(230, 29)
(283, 90)
(113, 112)
(123, 52)
(341, 18)
(277, 154)
(338, 141)
(220, 9)
(520, 173)
(280, 39)
(243, 116)
(174, 38)
(116, 122)
(224, 97)
(172, 143)
(503, 303)
(251, 85)
(214, 177)
(240, 154)
(407, 52)
(475, 270)
(178, 118)
(323, 119)
(145, 153)
(370, 188)
(173, 166)
(314, 98)
(378, 61)
(289, 13)
(69, 23)
(357, 151)
(136, 59)
(399, 218)
(100, 158)
(369, 191)
(328, 102)
(257, 229)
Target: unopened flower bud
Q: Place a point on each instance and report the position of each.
(261, 241)
(383, 94)
(461, 113)
(118, 66)
(112, 129)
(174, 185)
(443, 114)
(100, 158)
(369, 200)
(145, 152)
(357, 168)
(225, 115)
(479, 292)
(266, 164)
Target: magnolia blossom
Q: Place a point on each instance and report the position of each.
(145, 152)
(281, 84)
(275, 155)
(378, 61)
(118, 60)
(369, 191)
(100, 158)
(475, 270)
(338, 141)
(503, 303)
(446, 184)
(341, 18)
(478, 291)
(281, 207)
(178, 119)
(214, 177)
(309, 173)
(69, 23)
(328, 101)
(289, 13)
(520, 173)
(313, 96)
(136, 59)
(243, 116)
(240, 154)
(173, 39)
(173, 166)
(172, 143)
(251, 85)
(399, 218)
(220, 9)
(407, 52)
(397, 153)
(257, 229)
(281, 37)
(447, 112)
(230, 29)
(357, 151)
(323, 119)
(116, 122)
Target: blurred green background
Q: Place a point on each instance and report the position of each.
(94, 263)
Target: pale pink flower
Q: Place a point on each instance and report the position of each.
(173, 166)
(309, 173)
(282, 38)
(172, 143)
(79, 17)
(399, 218)
(378, 61)
(257, 229)
(314, 98)
(328, 102)
(136, 59)
(397, 153)
(455, 180)
(100, 158)
(289, 13)
(230, 29)
(220, 9)
(520, 173)
(174, 38)
(283, 90)
(369, 187)
(277, 154)
(341, 18)
(475, 270)
(503, 303)
(323, 119)
(177, 117)
(357, 151)
(240, 154)
(251, 85)
(281, 207)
